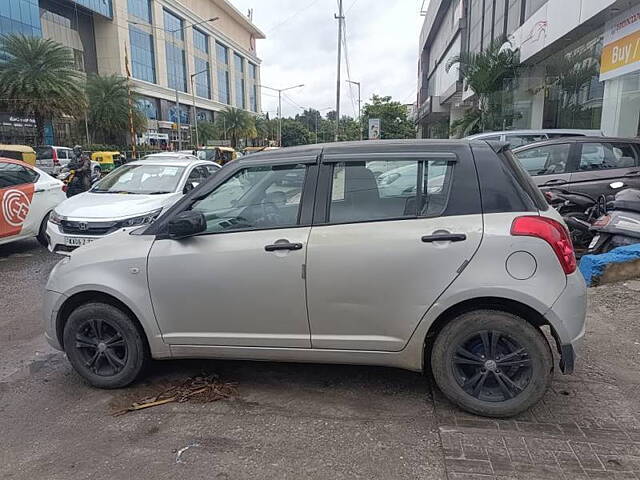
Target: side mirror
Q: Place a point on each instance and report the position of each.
(186, 224)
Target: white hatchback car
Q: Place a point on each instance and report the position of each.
(27, 196)
(133, 194)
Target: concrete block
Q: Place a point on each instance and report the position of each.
(620, 264)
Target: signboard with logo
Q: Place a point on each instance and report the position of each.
(374, 129)
(621, 50)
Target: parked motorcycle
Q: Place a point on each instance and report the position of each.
(578, 211)
(619, 222)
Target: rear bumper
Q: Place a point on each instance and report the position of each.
(51, 306)
(567, 317)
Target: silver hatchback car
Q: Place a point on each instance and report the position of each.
(436, 256)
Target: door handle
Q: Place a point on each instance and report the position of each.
(38, 190)
(283, 245)
(555, 181)
(445, 237)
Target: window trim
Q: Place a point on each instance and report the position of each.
(325, 182)
(307, 199)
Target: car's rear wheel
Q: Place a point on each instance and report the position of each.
(492, 363)
(104, 345)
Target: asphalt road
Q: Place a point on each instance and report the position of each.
(307, 421)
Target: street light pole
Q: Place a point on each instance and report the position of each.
(193, 97)
(175, 71)
(359, 103)
(280, 90)
(339, 17)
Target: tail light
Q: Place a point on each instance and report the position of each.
(552, 232)
(56, 162)
(65, 187)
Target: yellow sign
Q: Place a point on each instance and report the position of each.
(624, 52)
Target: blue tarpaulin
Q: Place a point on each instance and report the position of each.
(593, 266)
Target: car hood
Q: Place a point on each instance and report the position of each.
(113, 205)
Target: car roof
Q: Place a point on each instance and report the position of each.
(17, 162)
(361, 146)
(556, 141)
(170, 161)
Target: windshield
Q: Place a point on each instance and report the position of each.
(141, 179)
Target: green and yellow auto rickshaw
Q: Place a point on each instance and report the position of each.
(107, 160)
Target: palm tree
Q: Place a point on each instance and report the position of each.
(108, 114)
(487, 73)
(236, 124)
(38, 78)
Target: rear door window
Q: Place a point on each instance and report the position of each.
(364, 191)
(44, 153)
(12, 174)
(545, 160)
(606, 156)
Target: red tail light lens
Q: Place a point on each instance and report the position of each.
(552, 232)
(55, 157)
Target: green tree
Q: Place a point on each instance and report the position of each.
(236, 124)
(108, 114)
(38, 78)
(207, 131)
(394, 118)
(490, 74)
(294, 133)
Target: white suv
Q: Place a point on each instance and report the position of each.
(304, 254)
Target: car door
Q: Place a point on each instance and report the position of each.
(383, 249)
(601, 163)
(241, 283)
(18, 218)
(549, 165)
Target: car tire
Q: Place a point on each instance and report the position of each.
(42, 236)
(105, 346)
(500, 379)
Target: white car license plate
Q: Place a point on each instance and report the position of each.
(594, 241)
(77, 241)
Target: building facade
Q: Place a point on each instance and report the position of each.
(163, 45)
(569, 54)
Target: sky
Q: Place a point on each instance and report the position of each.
(301, 48)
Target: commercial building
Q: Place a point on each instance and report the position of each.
(580, 64)
(165, 45)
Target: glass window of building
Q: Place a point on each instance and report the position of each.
(200, 41)
(475, 21)
(176, 67)
(21, 16)
(140, 9)
(173, 25)
(238, 63)
(532, 6)
(143, 65)
(204, 115)
(149, 107)
(487, 28)
(185, 117)
(514, 15)
(499, 19)
(253, 88)
(202, 78)
(222, 59)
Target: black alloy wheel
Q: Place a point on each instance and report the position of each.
(102, 347)
(491, 366)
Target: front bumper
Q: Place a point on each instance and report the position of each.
(50, 308)
(60, 242)
(567, 318)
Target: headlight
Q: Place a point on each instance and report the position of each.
(141, 220)
(55, 218)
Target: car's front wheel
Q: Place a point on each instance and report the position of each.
(492, 363)
(104, 345)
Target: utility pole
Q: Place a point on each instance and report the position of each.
(280, 90)
(359, 104)
(339, 17)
